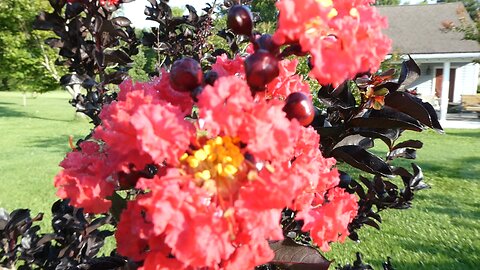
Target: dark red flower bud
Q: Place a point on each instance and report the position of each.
(210, 77)
(261, 68)
(300, 107)
(265, 42)
(186, 75)
(240, 20)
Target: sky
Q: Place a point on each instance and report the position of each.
(134, 10)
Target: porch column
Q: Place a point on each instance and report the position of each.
(445, 90)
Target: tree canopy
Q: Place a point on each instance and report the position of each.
(22, 53)
(387, 2)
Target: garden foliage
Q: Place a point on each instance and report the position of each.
(221, 160)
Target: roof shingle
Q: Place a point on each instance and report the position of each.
(420, 29)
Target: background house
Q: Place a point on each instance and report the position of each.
(419, 30)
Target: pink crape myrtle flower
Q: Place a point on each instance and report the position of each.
(343, 36)
(225, 178)
(85, 179)
(286, 83)
(220, 203)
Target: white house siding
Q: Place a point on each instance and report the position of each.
(424, 82)
(466, 80)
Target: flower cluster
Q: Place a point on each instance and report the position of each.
(102, 2)
(210, 162)
(86, 178)
(221, 179)
(343, 36)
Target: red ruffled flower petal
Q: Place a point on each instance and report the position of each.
(344, 37)
(85, 178)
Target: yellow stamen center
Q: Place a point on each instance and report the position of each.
(354, 13)
(332, 14)
(216, 164)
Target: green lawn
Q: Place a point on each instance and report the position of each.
(442, 231)
(33, 140)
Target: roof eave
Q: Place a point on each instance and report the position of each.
(442, 57)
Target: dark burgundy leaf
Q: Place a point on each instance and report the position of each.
(115, 77)
(73, 9)
(97, 223)
(100, 58)
(388, 136)
(340, 96)
(386, 118)
(379, 185)
(361, 159)
(356, 139)
(358, 189)
(121, 21)
(407, 153)
(402, 172)
(106, 263)
(98, 24)
(71, 79)
(110, 8)
(18, 218)
(387, 74)
(417, 182)
(391, 86)
(67, 53)
(117, 57)
(376, 216)
(410, 143)
(57, 4)
(294, 256)
(366, 181)
(148, 39)
(192, 14)
(433, 117)
(372, 223)
(88, 83)
(389, 185)
(410, 72)
(152, 13)
(47, 21)
(354, 236)
(408, 104)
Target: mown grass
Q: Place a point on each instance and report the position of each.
(33, 140)
(441, 231)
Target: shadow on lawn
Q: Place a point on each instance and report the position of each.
(459, 257)
(9, 112)
(465, 134)
(458, 261)
(6, 111)
(455, 213)
(460, 168)
(57, 143)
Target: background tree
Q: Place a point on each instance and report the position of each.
(27, 63)
(387, 2)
